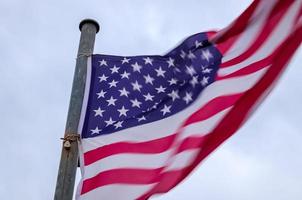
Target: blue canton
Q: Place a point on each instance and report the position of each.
(130, 91)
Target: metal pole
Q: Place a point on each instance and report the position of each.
(69, 155)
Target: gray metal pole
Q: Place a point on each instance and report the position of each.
(69, 155)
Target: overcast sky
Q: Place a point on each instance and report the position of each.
(38, 45)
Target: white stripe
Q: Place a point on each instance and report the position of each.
(246, 39)
(203, 127)
(279, 34)
(155, 130)
(83, 111)
(299, 22)
(86, 94)
(116, 192)
(127, 160)
(182, 160)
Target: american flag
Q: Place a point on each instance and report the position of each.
(148, 121)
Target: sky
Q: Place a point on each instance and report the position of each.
(38, 46)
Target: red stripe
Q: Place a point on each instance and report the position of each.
(225, 46)
(122, 176)
(250, 68)
(149, 147)
(298, 16)
(192, 142)
(210, 34)
(238, 25)
(226, 41)
(212, 107)
(169, 181)
(275, 17)
(237, 115)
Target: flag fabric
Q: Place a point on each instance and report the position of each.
(148, 121)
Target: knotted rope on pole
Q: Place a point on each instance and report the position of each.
(84, 54)
(69, 138)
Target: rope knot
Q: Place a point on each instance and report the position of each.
(68, 138)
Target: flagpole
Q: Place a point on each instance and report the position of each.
(69, 154)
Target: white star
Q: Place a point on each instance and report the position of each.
(95, 131)
(183, 54)
(160, 89)
(172, 81)
(123, 111)
(198, 44)
(148, 97)
(149, 79)
(101, 94)
(191, 55)
(118, 125)
(103, 78)
(109, 122)
(205, 80)
(111, 101)
(136, 86)
(148, 61)
(194, 81)
(155, 105)
(206, 71)
(99, 112)
(190, 70)
(125, 60)
(188, 98)
(135, 103)
(124, 92)
(125, 75)
(136, 67)
(112, 83)
(166, 109)
(103, 62)
(174, 95)
(160, 72)
(206, 55)
(171, 62)
(143, 118)
(114, 69)
(176, 70)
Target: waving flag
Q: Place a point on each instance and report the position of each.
(148, 121)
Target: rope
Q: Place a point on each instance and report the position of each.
(69, 138)
(84, 54)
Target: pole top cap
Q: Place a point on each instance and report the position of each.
(89, 21)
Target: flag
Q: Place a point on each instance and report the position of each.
(148, 121)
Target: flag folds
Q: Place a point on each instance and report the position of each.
(148, 121)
